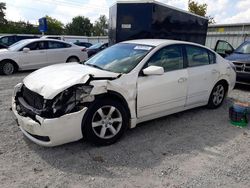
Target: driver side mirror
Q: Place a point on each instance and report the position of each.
(26, 50)
(153, 70)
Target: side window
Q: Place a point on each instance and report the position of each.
(212, 57)
(223, 48)
(18, 38)
(5, 40)
(36, 45)
(170, 58)
(197, 56)
(56, 45)
(32, 46)
(8, 40)
(68, 45)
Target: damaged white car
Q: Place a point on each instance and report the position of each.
(128, 83)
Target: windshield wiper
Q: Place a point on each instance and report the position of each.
(95, 66)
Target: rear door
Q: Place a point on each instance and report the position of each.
(36, 57)
(203, 72)
(58, 52)
(160, 93)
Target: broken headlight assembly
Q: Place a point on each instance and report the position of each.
(71, 100)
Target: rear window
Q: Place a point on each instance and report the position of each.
(56, 45)
(212, 57)
(197, 56)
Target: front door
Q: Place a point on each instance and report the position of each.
(223, 48)
(160, 93)
(36, 57)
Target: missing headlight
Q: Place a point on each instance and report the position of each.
(71, 100)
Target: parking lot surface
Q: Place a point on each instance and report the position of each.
(195, 148)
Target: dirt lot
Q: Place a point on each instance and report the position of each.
(196, 148)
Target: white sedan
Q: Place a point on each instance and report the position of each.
(128, 83)
(36, 53)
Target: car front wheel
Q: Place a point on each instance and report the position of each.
(7, 68)
(217, 96)
(106, 121)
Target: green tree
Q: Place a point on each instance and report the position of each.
(79, 26)
(55, 27)
(19, 28)
(2, 13)
(101, 26)
(199, 9)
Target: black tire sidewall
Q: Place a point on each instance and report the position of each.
(75, 58)
(211, 104)
(2, 64)
(87, 130)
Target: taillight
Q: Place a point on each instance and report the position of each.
(84, 50)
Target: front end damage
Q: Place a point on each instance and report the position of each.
(51, 122)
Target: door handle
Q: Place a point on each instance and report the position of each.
(182, 79)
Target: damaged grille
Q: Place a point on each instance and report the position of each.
(33, 99)
(242, 67)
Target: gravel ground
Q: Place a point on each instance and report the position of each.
(195, 148)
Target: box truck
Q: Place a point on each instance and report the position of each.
(150, 19)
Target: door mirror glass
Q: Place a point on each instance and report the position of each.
(25, 50)
(153, 70)
(223, 48)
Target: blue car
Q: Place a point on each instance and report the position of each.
(240, 57)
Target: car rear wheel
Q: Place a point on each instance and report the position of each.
(7, 68)
(72, 59)
(217, 96)
(105, 122)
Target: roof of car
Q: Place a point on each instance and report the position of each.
(43, 39)
(156, 42)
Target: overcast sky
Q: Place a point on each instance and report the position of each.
(224, 11)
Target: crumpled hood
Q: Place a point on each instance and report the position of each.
(244, 58)
(51, 80)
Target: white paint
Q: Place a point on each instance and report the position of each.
(51, 80)
(148, 97)
(126, 26)
(35, 59)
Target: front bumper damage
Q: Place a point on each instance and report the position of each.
(52, 131)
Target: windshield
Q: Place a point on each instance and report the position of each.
(120, 58)
(17, 45)
(95, 46)
(244, 48)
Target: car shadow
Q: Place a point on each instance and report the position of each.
(242, 87)
(147, 145)
(19, 73)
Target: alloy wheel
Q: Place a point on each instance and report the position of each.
(107, 122)
(218, 95)
(8, 68)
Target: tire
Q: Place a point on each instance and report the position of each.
(105, 122)
(72, 59)
(217, 95)
(7, 67)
